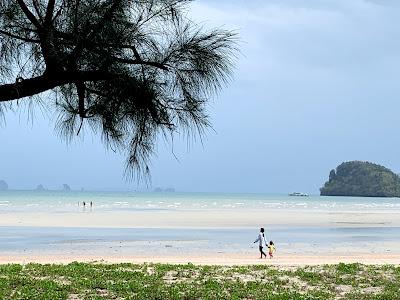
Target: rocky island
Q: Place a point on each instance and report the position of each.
(3, 185)
(365, 179)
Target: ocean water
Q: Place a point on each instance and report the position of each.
(54, 201)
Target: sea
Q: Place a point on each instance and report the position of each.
(58, 201)
(180, 241)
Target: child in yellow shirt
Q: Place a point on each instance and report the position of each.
(272, 249)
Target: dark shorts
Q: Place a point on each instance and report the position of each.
(261, 248)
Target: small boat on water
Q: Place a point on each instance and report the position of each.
(297, 194)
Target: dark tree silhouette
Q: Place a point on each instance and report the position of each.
(129, 69)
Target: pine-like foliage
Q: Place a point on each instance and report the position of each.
(128, 69)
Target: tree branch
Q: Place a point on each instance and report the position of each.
(40, 84)
(14, 36)
(29, 14)
(49, 12)
(57, 13)
(37, 9)
(141, 62)
(80, 87)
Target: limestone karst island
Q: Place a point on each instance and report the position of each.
(364, 179)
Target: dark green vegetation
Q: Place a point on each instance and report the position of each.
(357, 178)
(130, 70)
(128, 281)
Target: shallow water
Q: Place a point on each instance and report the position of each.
(123, 241)
(52, 201)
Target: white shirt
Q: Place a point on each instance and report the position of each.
(260, 239)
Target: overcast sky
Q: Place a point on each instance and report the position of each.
(316, 84)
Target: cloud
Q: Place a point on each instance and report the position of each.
(315, 34)
(391, 3)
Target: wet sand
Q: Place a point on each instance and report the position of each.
(362, 247)
(201, 218)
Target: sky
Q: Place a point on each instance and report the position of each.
(316, 84)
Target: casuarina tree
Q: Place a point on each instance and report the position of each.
(130, 70)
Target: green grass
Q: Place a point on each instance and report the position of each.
(159, 281)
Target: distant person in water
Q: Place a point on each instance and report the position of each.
(272, 249)
(91, 203)
(261, 242)
(84, 203)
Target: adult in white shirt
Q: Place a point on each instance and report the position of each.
(261, 242)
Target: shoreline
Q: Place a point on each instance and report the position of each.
(217, 260)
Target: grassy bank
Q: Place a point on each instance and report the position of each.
(128, 281)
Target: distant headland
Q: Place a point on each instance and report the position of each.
(3, 185)
(365, 179)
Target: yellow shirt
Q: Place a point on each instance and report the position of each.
(271, 248)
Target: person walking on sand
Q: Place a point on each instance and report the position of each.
(261, 242)
(272, 249)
